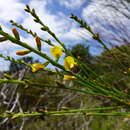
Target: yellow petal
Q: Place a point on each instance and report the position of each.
(69, 63)
(38, 66)
(56, 51)
(69, 77)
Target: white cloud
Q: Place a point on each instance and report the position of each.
(73, 4)
(61, 25)
(11, 9)
(103, 9)
(58, 23)
(77, 34)
(108, 21)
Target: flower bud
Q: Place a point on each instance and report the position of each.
(2, 39)
(38, 43)
(22, 52)
(16, 34)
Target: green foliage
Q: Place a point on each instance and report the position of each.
(81, 52)
(112, 71)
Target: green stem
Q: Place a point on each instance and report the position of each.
(43, 85)
(66, 112)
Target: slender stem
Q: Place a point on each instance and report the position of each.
(39, 85)
(67, 112)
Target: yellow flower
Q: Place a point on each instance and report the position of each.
(69, 77)
(22, 52)
(69, 63)
(38, 66)
(56, 51)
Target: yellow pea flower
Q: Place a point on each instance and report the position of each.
(56, 51)
(38, 66)
(69, 63)
(22, 52)
(69, 77)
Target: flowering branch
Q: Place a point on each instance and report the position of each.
(34, 34)
(44, 27)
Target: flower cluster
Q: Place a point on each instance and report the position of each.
(56, 52)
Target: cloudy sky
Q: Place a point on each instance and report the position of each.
(55, 14)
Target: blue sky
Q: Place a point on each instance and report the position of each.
(55, 14)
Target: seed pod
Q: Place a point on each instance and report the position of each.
(38, 43)
(23, 52)
(16, 34)
(2, 39)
